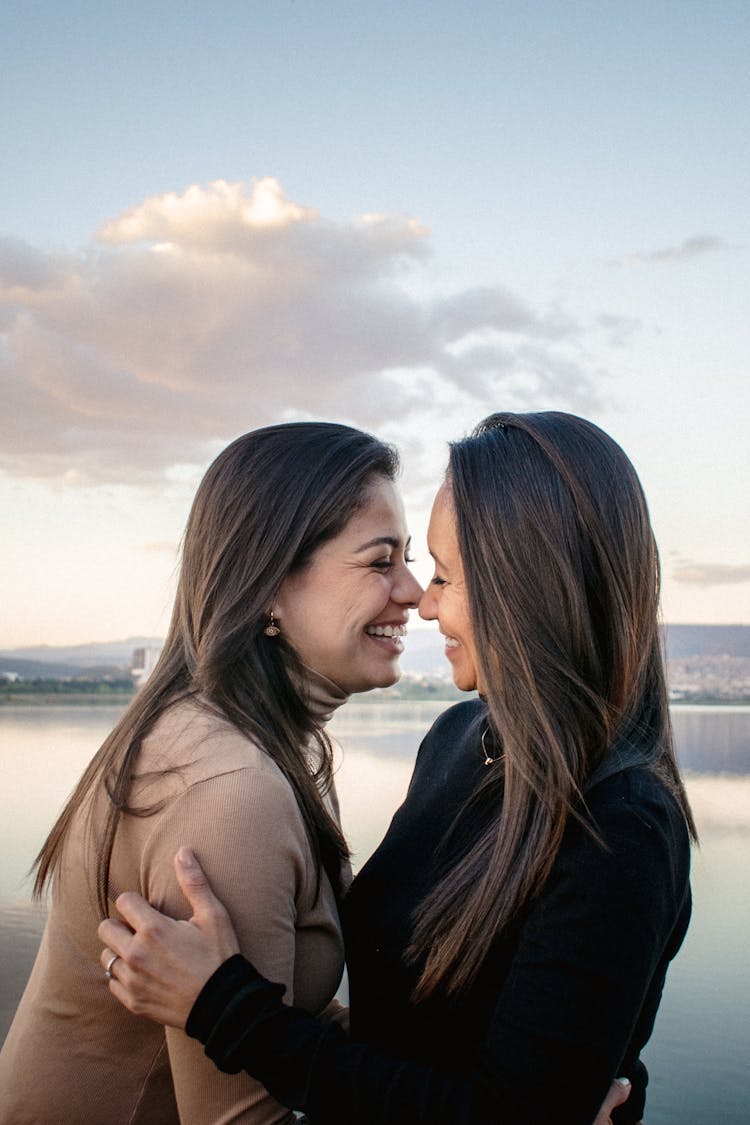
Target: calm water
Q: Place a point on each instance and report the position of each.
(699, 1052)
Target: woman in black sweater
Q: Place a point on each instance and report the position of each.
(508, 941)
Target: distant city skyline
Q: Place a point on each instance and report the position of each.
(398, 217)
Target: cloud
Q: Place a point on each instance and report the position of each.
(688, 249)
(191, 318)
(206, 216)
(23, 269)
(710, 574)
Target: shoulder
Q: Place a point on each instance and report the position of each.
(458, 720)
(217, 790)
(644, 839)
(192, 746)
(441, 752)
(635, 796)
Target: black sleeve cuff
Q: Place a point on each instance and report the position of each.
(236, 978)
(241, 1020)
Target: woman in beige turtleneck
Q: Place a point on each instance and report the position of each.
(224, 749)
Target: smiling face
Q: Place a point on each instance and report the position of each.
(345, 612)
(445, 599)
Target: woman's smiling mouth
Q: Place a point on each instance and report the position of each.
(385, 630)
(389, 636)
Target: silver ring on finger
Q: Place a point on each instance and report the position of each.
(108, 971)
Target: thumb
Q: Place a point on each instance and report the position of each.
(209, 915)
(618, 1093)
(195, 886)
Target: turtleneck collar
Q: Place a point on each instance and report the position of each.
(324, 696)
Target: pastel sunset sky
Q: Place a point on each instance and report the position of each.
(398, 215)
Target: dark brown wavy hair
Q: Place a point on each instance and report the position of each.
(562, 578)
(265, 505)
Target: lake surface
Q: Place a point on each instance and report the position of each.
(700, 1048)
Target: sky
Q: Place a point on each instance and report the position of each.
(402, 216)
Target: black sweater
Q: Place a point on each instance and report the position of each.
(562, 1005)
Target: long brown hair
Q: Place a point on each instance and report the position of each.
(267, 502)
(562, 579)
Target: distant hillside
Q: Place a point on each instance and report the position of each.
(96, 658)
(423, 654)
(39, 669)
(707, 640)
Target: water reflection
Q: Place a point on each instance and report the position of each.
(43, 751)
(712, 739)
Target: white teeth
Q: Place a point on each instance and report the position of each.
(451, 642)
(386, 630)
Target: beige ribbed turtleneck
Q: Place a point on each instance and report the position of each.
(73, 1054)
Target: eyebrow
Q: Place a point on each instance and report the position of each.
(436, 559)
(383, 541)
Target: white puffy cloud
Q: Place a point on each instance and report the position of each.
(194, 317)
(205, 216)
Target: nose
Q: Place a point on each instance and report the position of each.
(427, 608)
(407, 591)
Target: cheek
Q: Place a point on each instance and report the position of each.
(370, 599)
(453, 610)
(354, 608)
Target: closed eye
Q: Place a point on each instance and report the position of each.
(386, 564)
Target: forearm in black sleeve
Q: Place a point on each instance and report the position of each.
(312, 1066)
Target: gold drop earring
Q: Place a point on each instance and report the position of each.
(272, 629)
